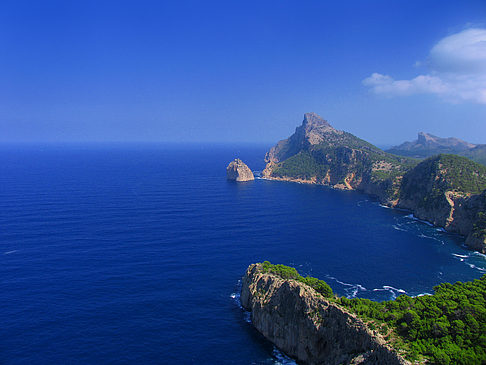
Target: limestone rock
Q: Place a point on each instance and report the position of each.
(446, 190)
(237, 170)
(306, 326)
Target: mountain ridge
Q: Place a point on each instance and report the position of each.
(427, 145)
(453, 194)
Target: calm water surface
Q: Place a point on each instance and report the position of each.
(133, 254)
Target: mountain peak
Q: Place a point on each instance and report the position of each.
(314, 120)
(424, 137)
(314, 128)
(427, 145)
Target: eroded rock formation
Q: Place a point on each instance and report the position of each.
(237, 170)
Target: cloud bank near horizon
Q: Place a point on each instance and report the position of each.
(457, 66)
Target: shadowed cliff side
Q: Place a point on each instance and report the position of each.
(301, 322)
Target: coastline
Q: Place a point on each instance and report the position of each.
(382, 204)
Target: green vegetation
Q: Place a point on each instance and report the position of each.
(286, 272)
(448, 327)
(302, 166)
(477, 154)
(342, 154)
(479, 228)
(431, 178)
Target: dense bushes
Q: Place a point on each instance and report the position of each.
(286, 272)
(436, 175)
(302, 166)
(448, 327)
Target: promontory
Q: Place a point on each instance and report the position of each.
(306, 320)
(446, 189)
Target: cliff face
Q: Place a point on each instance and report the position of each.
(237, 170)
(309, 328)
(313, 130)
(444, 189)
(318, 153)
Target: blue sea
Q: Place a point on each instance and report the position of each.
(133, 254)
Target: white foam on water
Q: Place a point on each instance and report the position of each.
(411, 216)
(10, 252)
(236, 297)
(430, 238)
(460, 256)
(466, 259)
(395, 226)
(281, 358)
(393, 291)
(479, 254)
(440, 229)
(472, 266)
(421, 295)
(352, 290)
(247, 317)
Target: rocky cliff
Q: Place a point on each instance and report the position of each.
(445, 189)
(318, 153)
(306, 326)
(237, 170)
(448, 191)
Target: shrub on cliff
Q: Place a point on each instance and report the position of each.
(286, 272)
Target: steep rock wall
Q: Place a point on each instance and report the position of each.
(307, 327)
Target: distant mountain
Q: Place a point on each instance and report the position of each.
(446, 189)
(428, 145)
(325, 155)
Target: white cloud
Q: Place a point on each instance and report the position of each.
(457, 71)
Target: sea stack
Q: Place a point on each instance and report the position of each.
(237, 170)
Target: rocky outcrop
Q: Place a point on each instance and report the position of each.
(237, 170)
(306, 326)
(442, 189)
(317, 153)
(314, 130)
(445, 190)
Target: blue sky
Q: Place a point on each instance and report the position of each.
(240, 71)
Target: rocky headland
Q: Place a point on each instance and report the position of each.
(305, 325)
(446, 190)
(237, 170)
(305, 319)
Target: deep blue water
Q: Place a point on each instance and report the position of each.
(133, 254)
